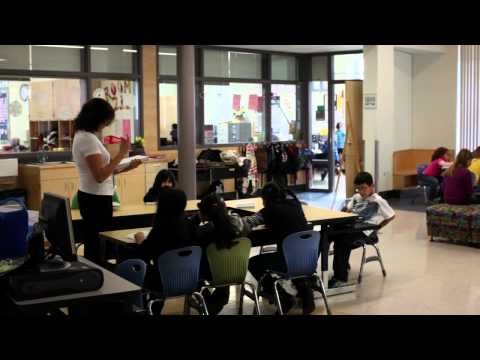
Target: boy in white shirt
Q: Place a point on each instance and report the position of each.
(373, 212)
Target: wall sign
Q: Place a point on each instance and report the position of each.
(370, 101)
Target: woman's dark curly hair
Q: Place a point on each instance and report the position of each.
(95, 113)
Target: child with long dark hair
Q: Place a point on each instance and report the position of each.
(164, 180)
(432, 175)
(282, 216)
(223, 228)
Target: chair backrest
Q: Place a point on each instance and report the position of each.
(133, 270)
(421, 168)
(229, 266)
(13, 230)
(179, 271)
(301, 253)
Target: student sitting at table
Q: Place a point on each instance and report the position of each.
(432, 175)
(171, 230)
(458, 181)
(222, 229)
(164, 180)
(282, 216)
(371, 209)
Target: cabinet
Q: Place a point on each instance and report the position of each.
(131, 186)
(63, 179)
(40, 179)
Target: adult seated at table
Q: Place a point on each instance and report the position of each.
(475, 168)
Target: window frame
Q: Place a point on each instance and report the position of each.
(170, 79)
(86, 74)
(265, 80)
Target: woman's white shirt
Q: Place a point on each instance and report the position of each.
(85, 144)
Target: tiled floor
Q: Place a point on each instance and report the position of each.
(423, 277)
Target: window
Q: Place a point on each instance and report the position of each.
(117, 59)
(123, 96)
(348, 67)
(285, 113)
(42, 57)
(167, 60)
(33, 108)
(168, 106)
(284, 68)
(233, 113)
(231, 64)
(320, 68)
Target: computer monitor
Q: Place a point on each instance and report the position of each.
(55, 215)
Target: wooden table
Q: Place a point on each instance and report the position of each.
(314, 215)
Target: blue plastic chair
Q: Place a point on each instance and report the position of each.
(133, 270)
(14, 230)
(179, 272)
(300, 251)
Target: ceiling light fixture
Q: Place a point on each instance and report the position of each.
(129, 50)
(99, 48)
(167, 54)
(62, 46)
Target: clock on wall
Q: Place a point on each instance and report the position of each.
(24, 92)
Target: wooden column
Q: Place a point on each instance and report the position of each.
(150, 97)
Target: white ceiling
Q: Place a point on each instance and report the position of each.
(301, 49)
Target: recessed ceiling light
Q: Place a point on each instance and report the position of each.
(129, 50)
(99, 48)
(1, 60)
(167, 54)
(62, 46)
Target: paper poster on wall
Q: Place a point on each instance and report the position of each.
(126, 128)
(260, 104)
(253, 102)
(3, 115)
(236, 102)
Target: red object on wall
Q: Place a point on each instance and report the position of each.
(260, 104)
(236, 102)
(253, 102)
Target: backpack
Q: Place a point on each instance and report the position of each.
(14, 230)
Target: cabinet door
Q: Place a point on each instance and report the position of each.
(131, 188)
(58, 187)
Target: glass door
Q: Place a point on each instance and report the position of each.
(319, 130)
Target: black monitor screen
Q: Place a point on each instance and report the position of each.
(56, 216)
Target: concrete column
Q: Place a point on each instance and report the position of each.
(187, 138)
(379, 123)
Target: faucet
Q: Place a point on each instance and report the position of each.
(42, 157)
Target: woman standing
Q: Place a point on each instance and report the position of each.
(96, 169)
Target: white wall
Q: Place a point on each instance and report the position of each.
(434, 99)
(403, 101)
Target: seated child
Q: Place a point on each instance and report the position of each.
(372, 209)
(432, 175)
(164, 180)
(458, 181)
(171, 230)
(222, 229)
(282, 216)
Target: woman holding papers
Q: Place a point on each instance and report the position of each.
(96, 169)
